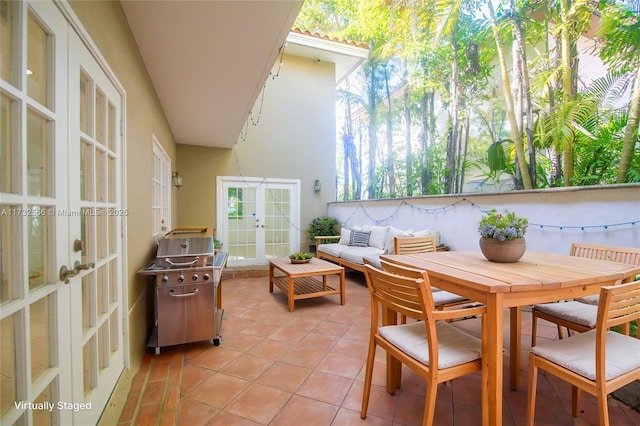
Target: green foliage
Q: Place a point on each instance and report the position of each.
(620, 34)
(322, 226)
(496, 158)
(412, 48)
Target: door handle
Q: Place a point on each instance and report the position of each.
(66, 273)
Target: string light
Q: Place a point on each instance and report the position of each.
(250, 120)
(388, 219)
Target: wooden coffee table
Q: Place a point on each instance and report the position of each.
(298, 282)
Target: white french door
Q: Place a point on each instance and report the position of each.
(258, 219)
(95, 170)
(60, 209)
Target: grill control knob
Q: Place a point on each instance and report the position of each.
(195, 277)
(180, 278)
(206, 276)
(165, 279)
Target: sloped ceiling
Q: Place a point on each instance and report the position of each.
(208, 60)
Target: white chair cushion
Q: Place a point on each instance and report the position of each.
(455, 347)
(594, 299)
(579, 313)
(333, 249)
(355, 254)
(441, 297)
(578, 354)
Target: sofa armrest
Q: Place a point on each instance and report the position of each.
(327, 239)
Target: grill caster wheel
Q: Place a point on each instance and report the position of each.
(216, 342)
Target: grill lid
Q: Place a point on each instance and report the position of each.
(186, 247)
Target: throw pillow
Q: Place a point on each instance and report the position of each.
(394, 232)
(378, 236)
(423, 233)
(345, 236)
(359, 238)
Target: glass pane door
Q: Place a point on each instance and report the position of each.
(34, 303)
(258, 220)
(95, 195)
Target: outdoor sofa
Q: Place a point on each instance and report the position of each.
(357, 244)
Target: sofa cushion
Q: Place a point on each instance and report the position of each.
(373, 260)
(356, 254)
(333, 249)
(359, 238)
(378, 236)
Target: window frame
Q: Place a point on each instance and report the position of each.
(161, 190)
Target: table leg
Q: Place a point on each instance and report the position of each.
(290, 293)
(493, 358)
(515, 335)
(271, 271)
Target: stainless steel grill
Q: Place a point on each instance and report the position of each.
(186, 247)
(188, 298)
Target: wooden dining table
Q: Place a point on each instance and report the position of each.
(536, 278)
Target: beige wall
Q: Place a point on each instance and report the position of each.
(294, 139)
(108, 28)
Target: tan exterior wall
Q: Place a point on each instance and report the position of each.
(294, 139)
(108, 28)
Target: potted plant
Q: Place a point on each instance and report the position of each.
(320, 227)
(217, 245)
(502, 236)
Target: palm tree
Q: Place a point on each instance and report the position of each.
(620, 34)
(516, 134)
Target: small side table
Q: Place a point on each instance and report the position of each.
(298, 282)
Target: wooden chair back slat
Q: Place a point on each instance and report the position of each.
(629, 255)
(394, 268)
(396, 292)
(621, 306)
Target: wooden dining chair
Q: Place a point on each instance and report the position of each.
(434, 349)
(598, 361)
(441, 299)
(580, 314)
(413, 245)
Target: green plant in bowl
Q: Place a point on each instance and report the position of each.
(301, 256)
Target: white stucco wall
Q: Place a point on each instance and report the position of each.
(557, 217)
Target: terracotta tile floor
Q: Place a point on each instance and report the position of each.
(274, 367)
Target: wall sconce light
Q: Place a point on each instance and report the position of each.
(177, 179)
(317, 186)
